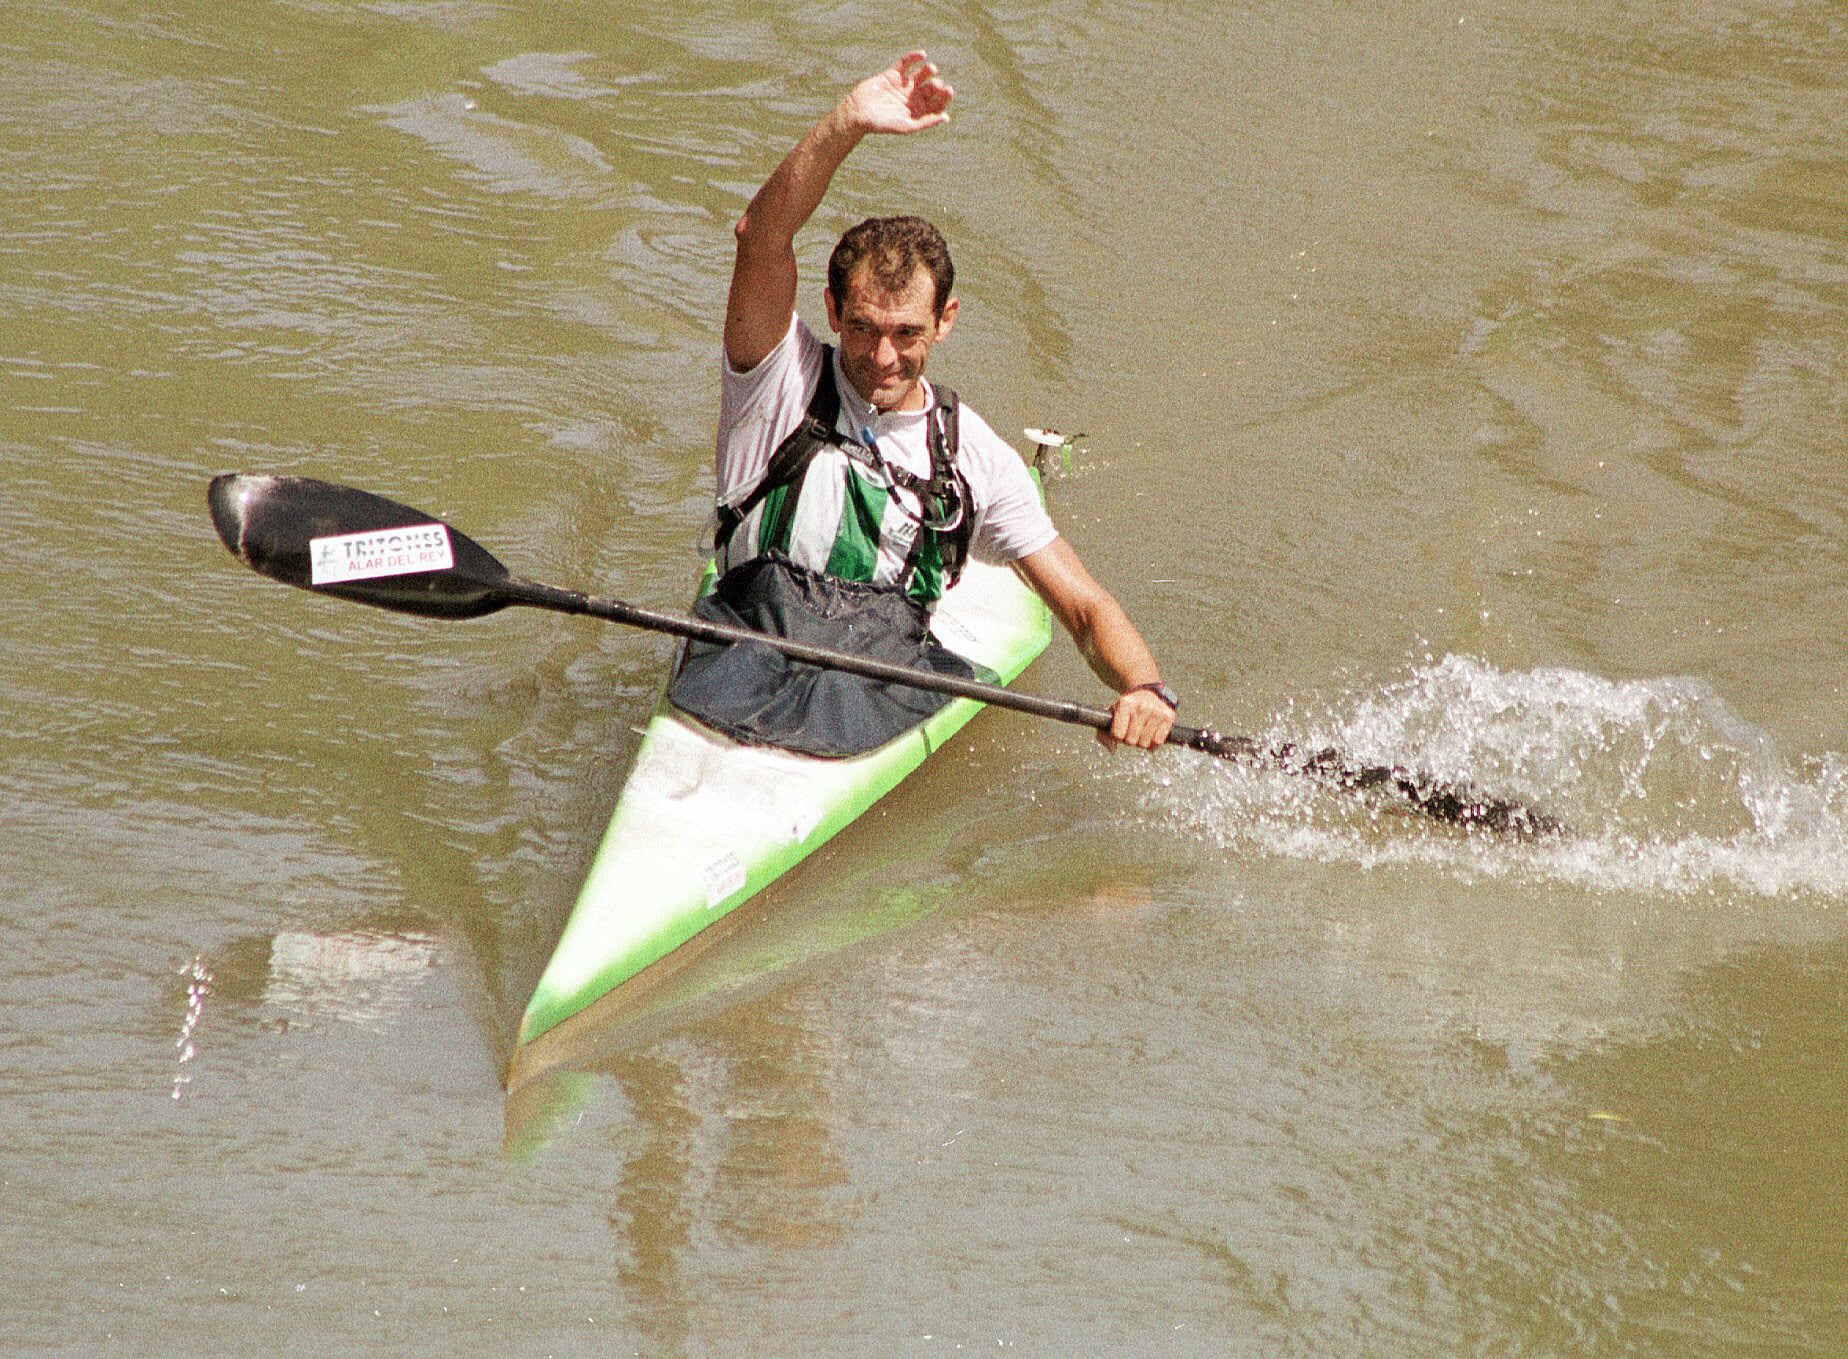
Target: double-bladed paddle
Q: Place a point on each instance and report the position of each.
(336, 540)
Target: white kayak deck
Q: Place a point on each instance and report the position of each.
(704, 823)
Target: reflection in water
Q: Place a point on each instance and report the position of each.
(736, 1127)
(366, 975)
(653, 1214)
(782, 1168)
(725, 1092)
(357, 976)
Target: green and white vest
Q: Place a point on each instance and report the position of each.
(830, 504)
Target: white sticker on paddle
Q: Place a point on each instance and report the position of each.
(383, 552)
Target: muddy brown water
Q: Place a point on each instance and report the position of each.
(1460, 385)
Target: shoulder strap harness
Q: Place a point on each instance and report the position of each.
(944, 496)
(794, 454)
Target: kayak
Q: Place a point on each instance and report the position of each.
(704, 823)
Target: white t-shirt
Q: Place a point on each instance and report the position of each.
(758, 409)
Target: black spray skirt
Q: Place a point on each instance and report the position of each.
(756, 695)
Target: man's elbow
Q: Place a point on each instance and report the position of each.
(759, 238)
(1081, 618)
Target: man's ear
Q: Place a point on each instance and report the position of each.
(834, 311)
(946, 318)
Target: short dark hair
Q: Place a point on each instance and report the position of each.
(892, 248)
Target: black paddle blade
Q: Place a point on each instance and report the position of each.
(1458, 804)
(335, 540)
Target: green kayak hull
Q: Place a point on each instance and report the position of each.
(704, 824)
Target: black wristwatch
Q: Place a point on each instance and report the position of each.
(1161, 691)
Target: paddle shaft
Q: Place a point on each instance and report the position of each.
(287, 528)
(1458, 804)
(521, 591)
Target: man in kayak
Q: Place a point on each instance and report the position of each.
(850, 490)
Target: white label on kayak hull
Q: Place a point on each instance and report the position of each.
(383, 552)
(724, 875)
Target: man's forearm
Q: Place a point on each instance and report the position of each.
(1099, 626)
(1120, 658)
(1114, 649)
(907, 97)
(763, 286)
(790, 196)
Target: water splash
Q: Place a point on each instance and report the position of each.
(198, 987)
(1664, 787)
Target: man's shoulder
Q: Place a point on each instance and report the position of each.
(758, 407)
(968, 418)
(1013, 517)
(798, 352)
(770, 398)
(978, 442)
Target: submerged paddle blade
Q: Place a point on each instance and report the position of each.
(335, 540)
(1456, 804)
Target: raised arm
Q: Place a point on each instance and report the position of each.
(907, 97)
(1107, 640)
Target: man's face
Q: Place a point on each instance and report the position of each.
(886, 337)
